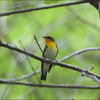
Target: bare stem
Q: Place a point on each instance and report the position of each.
(50, 85)
(38, 43)
(22, 77)
(41, 8)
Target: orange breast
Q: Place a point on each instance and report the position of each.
(51, 44)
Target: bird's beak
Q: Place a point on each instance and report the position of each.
(43, 36)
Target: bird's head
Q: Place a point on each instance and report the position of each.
(48, 39)
(50, 42)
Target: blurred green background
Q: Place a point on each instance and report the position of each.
(73, 28)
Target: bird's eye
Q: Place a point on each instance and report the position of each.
(50, 38)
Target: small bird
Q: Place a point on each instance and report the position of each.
(50, 52)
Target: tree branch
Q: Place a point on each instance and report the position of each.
(41, 8)
(50, 85)
(21, 78)
(38, 43)
(49, 60)
(79, 52)
(91, 76)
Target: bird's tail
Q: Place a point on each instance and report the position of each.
(43, 77)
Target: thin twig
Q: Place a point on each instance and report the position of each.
(38, 43)
(91, 76)
(79, 52)
(22, 77)
(30, 63)
(50, 85)
(41, 8)
(91, 68)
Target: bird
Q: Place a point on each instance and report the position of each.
(50, 51)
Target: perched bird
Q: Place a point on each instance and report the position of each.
(50, 52)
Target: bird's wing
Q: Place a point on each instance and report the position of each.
(54, 59)
(43, 56)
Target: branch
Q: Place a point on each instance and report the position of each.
(79, 52)
(21, 78)
(41, 8)
(91, 76)
(95, 3)
(49, 60)
(38, 43)
(50, 85)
